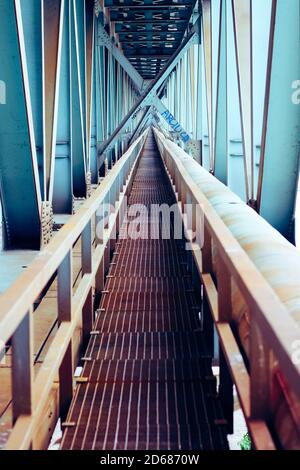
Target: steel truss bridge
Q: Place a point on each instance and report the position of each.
(110, 104)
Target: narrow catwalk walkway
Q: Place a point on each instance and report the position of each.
(150, 383)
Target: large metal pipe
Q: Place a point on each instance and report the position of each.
(276, 258)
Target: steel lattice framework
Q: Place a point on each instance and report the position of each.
(89, 76)
(150, 31)
(81, 81)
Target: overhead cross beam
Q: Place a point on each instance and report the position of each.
(149, 27)
(116, 4)
(149, 97)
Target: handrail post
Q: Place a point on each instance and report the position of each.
(99, 278)
(207, 252)
(64, 289)
(113, 199)
(208, 322)
(177, 184)
(260, 373)
(86, 249)
(121, 202)
(86, 255)
(182, 194)
(88, 317)
(107, 246)
(187, 207)
(64, 299)
(225, 316)
(22, 368)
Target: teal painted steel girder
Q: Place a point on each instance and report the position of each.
(63, 178)
(221, 134)
(32, 27)
(279, 167)
(94, 169)
(77, 105)
(19, 180)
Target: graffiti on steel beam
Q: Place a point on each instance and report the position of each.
(174, 124)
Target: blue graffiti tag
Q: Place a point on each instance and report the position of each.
(175, 126)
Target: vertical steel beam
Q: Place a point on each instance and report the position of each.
(236, 167)
(89, 18)
(188, 91)
(80, 23)
(32, 22)
(279, 166)
(19, 179)
(221, 138)
(192, 87)
(101, 104)
(53, 15)
(207, 39)
(62, 198)
(199, 103)
(242, 21)
(77, 114)
(94, 169)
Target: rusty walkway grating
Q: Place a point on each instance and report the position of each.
(150, 383)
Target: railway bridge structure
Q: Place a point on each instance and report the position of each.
(149, 273)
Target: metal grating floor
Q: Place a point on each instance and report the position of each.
(150, 383)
